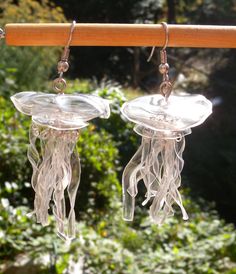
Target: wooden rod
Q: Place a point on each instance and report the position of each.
(198, 36)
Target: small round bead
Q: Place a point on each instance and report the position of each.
(62, 66)
(163, 68)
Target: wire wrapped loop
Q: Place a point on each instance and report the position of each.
(166, 88)
(59, 84)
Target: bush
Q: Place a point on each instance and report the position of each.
(205, 244)
(25, 68)
(13, 146)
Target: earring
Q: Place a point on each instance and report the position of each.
(162, 121)
(56, 123)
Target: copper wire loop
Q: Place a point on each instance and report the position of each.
(163, 56)
(59, 84)
(166, 88)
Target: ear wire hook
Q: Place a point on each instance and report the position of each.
(165, 26)
(71, 33)
(2, 33)
(166, 86)
(59, 84)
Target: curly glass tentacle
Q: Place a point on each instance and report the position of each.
(56, 167)
(158, 162)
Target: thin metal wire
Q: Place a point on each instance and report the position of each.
(71, 33)
(166, 29)
(59, 84)
(151, 54)
(166, 85)
(165, 26)
(2, 33)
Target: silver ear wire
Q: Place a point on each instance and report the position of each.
(165, 26)
(59, 84)
(71, 33)
(151, 54)
(166, 86)
(2, 33)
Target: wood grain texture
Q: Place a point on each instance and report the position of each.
(198, 36)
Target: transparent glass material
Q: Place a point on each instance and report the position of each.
(55, 128)
(158, 162)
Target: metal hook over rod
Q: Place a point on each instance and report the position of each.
(71, 33)
(2, 33)
(59, 84)
(165, 26)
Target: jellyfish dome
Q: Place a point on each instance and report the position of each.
(61, 111)
(158, 162)
(56, 123)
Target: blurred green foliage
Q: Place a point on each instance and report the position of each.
(27, 67)
(203, 245)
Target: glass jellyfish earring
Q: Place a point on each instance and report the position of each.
(56, 123)
(162, 121)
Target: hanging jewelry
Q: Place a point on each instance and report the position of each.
(56, 123)
(162, 121)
